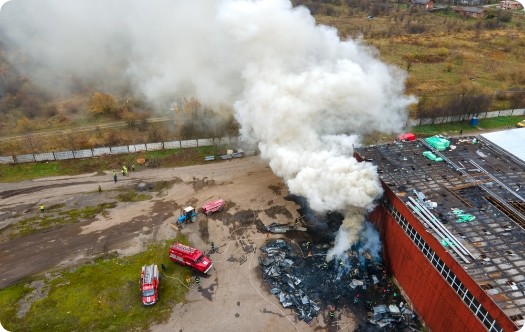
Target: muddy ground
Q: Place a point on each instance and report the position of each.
(232, 298)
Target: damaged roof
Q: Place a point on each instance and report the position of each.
(476, 194)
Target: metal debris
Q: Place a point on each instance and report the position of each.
(301, 278)
(279, 228)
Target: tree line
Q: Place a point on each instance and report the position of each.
(465, 105)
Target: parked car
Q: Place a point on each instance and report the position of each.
(521, 124)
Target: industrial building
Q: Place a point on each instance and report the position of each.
(452, 223)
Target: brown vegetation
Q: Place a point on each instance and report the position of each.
(451, 62)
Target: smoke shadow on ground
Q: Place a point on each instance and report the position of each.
(321, 227)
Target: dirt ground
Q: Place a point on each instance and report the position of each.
(232, 298)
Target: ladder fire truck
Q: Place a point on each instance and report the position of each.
(185, 255)
(149, 284)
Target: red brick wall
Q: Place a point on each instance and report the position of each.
(434, 300)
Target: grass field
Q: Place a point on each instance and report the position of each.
(454, 128)
(102, 296)
(447, 54)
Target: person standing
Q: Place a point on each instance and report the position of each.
(198, 281)
(331, 311)
(213, 247)
(99, 188)
(42, 208)
(115, 176)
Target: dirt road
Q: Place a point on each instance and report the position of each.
(232, 298)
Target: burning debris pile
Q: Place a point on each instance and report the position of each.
(301, 278)
(278, 270)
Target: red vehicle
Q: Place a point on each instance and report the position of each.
(149, 284)
(185, 255)
(406, 137)
(213, 206)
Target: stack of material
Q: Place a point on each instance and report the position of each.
(432, 156)
(438, 143)
(462, 217)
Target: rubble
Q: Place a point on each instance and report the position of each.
(279, 228)
(301, 278)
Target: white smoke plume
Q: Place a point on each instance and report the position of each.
(297, 90)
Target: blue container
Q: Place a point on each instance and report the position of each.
(474, 122)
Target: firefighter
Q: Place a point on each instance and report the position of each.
(213, 247)
(198, 281)
(324, 266)
(331, 311)
(188, 279)
(133, 168)
(115, 176)
(163, 267)
(42, 208)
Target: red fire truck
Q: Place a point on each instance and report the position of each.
(185, 255)
(149, 284)
(213, 206)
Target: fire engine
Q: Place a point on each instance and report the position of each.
(185, 255)
(213, 206)
(149, 284)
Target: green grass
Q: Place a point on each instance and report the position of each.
(455, 127)
(52, 218)
(103, 296)
(167, 158)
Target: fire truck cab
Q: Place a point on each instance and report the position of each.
(185, 255)
(213, 206)
(149, 284)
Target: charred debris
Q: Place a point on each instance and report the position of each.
(301, 278)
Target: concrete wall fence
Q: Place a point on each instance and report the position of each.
(447, 119)
(98, 152)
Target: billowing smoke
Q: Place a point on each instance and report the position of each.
(298, 91)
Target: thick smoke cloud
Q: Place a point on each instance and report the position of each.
(298, 91)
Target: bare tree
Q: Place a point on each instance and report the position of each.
(517, 100)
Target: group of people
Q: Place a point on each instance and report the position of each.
(124, 171)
